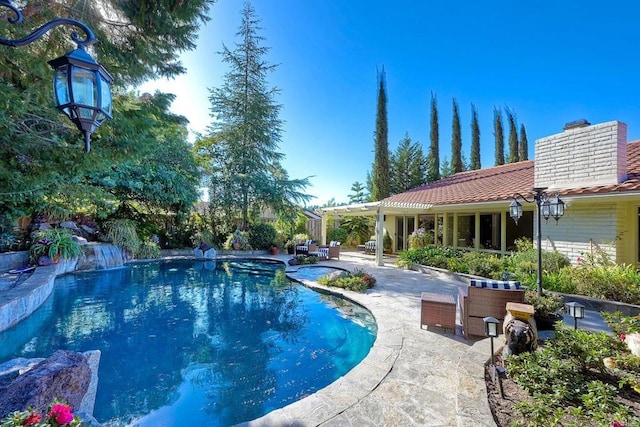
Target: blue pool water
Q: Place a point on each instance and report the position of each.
(214, 344)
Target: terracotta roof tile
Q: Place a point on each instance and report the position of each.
(501, 182)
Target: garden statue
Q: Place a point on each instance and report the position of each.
(520, 331)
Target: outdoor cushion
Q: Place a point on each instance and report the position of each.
(495, 284)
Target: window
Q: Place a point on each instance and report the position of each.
(490, 231)
(466, 231)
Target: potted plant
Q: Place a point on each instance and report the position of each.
(290, 246)
(50, 245)
(547, 308)
(274, 249)
(237, 241)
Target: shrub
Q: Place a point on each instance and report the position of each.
(122, 232)
(302, 260)
(337, 235)
(420, 238)
(262, 236)
(358, 281)
(148, 250)
(564, 379)
(546, 305)
(483, 264)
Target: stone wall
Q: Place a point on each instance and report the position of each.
(582, 157)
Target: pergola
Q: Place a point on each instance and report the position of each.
(377, 209)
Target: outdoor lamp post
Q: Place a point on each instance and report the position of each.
(80, 84)
(545, 208)
(575, 310)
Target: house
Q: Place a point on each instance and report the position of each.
(592, 168)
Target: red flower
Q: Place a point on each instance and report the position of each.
(61, 413)
(622, 337)
(32, 419)
(617, 424)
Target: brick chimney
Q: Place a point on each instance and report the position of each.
(582, 156)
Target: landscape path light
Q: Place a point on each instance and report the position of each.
(546, 207)
(575, 310)
(80, 84)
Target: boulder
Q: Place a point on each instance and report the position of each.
(65, 375)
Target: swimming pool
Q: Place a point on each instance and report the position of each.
(215, 344)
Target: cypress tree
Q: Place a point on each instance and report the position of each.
(524, 144)
(456, 141)
(514, 155)
(497, 132)
(475, 139)
(380, 178)
(434, 152)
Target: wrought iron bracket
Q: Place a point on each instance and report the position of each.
(42, 30)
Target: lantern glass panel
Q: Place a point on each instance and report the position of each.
(61, 88)
(84, 89)
(515, 210)
(545, 209)
(106, 103)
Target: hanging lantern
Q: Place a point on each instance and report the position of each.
(82, 92)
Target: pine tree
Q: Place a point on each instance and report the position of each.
(497, 132)
(434, 151)
(456, 141)
(245, 166)
(523, 144)
(408, 166)
(514, 154)
(446, 169)
(358, 194)
(475, 139)
(380, 176)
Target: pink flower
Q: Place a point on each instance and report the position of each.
(617, 424)
(32, 419)
(61, 413)
(622, 337)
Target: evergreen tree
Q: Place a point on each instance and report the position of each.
(475, 139)
(408, 166)
(456, 141)
(434, 152)
(242, 147)
(445, 168)
(523, 144)
(358, 193)
(514, 154)
(499, 136)
(380, 176)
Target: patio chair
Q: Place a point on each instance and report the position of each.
(308, 246)
(370, 247)
(332, 250)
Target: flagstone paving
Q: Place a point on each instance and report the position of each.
(412, 376)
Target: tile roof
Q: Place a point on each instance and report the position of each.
(500, 183)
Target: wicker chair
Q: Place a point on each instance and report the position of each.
(486, 298)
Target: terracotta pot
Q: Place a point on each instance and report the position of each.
(274, 250)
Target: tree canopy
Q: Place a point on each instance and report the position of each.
(141, 156)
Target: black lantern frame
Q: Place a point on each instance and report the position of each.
(546, 207)
(81, 85)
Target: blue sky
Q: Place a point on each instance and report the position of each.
(550, 62)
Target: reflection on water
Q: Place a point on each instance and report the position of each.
(216, 344)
